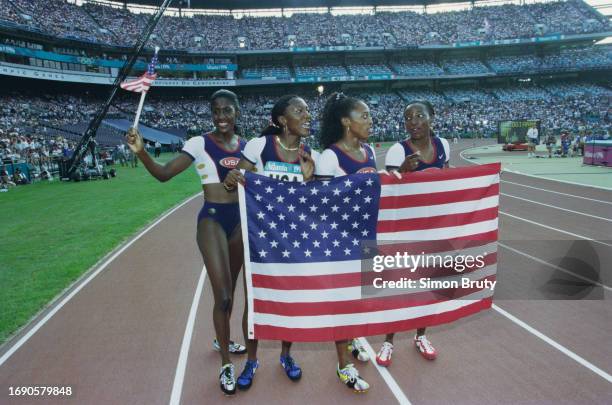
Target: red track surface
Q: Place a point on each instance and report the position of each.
(118, 340)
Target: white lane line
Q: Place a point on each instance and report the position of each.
(554, 344)
(181, 366)
(384, 373)
(556, 229)
(554, 206)
(83, 283)
(554, 266)
(557, 192)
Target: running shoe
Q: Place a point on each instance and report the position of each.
(294, 372)
(246, 378)
(227, 379)
(235, 348)
(358, 351)
(350, 377)
(424, 347)
(383, 358)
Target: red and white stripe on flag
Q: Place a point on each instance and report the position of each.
(451, 211)
(142, 84)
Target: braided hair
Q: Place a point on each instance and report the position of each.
(337, 106)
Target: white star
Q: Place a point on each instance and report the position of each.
(347, 200)
(308, 253)
(324, 200)
(366, 250)
(364, 232)
(291, 208)
(367, 199)
(304, 235)
(366, 216)
(262, 234)
(347, 251)
(344, 234)
(284, 234)
(313, 226)
(274, 243)
(356, 207)
(258, 197)
(286, 253)
(258, 182)
(348, 183)
(293, 226)
(324, 235)
(296, 244)
(327, 252)
(335, 208)
(355, 225)
(323, 217)
(333, 225)
(314, 191)
(272, 225)
(302, 183)
(269, 207)
(358, 191)
(280, 199)
(316, 243)
(291, 190)
(302, 217)
(269, 189)
(355, 242)
(303, 200)
(313, 208)
(336, 191)
(260, 215)
(345, 217)
(326, 183)
(262, 253)
(281, 217)
(336, 243)
(369, 182)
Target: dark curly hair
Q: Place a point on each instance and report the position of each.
(279, 109)
(336, 107)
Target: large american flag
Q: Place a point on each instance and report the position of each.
(304, 245)
(144, 82)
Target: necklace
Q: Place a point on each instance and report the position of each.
(286, 148)
(351, 149)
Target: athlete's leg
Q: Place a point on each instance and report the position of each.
(213, 245)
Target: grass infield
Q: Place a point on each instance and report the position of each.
(51, 233)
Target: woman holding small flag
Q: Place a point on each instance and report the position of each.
(279, 154)
(214, 155)
(421, 151)
(345, 127)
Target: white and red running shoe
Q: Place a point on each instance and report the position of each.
(383, 358)
(424, 347)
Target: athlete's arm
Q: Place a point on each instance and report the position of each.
(160, 172)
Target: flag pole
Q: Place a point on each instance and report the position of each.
(143, 94)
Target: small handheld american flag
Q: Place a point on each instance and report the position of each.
(143, 83)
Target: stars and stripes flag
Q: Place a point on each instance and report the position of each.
(308, 260)
(145, 81)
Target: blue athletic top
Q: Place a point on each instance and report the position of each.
(334, 162)
(211, 159)
(398, 152)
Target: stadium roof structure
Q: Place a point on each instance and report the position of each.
(275, 4)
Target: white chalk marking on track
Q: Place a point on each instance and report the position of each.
(555, 207)
(181, 366)
(386, 375)
(554, 266)
(554, 344)
(556, 229)
(557, 192)
(84, 282)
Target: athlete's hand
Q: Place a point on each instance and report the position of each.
(232, 179)
(307, 165)
(134, 140)
(410, 164)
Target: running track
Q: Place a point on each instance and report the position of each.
(133, 332)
